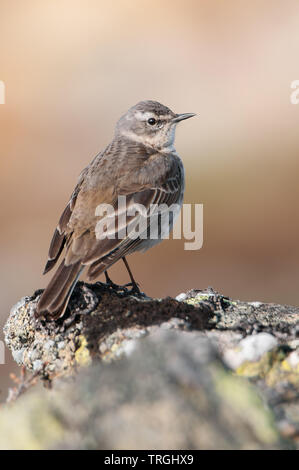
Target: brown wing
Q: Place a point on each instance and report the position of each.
(59, 237)
(100, 258)
(76, 230)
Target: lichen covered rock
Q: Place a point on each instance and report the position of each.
(171, 392)
(191, 372)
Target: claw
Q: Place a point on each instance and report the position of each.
(116, 287)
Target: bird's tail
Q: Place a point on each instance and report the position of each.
(55, 297)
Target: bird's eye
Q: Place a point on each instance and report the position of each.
(152, 121)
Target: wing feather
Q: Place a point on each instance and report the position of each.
(59, 237)
(82, 243)
(99, 258)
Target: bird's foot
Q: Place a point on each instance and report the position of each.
(124, 288)
(116, 287)
(134, 289)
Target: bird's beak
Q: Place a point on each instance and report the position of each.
(182, 117)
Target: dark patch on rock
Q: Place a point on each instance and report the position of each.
(118, 311)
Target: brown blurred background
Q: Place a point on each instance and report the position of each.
(72, 67)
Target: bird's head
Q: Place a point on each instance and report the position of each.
(150, 123)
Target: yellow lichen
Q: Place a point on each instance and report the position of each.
(202, 297)
(29, 427)
(82, 354)
(273, 367)
(286, 366)
(246, 402)
(197, 299)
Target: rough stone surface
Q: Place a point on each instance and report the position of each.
(199, 371)
(250, 349)
(172, 392)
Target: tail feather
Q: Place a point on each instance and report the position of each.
(55, 297)
(95, 270)
(55, 250)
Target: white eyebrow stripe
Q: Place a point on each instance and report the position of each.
(144, 116)
(147, 115)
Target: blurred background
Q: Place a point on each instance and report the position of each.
(72, 67)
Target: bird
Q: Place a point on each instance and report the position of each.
(142, 166)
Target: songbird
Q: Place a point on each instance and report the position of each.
(141, 164)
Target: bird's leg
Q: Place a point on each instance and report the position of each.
(108, 280)
(110, 283)
(133, 283)
(135, 288)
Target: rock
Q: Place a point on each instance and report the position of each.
(181, 297)
(105, 332)
(193, 368)
(250, 349)
(172, 392)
